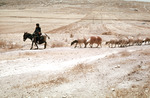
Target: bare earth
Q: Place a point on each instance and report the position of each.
(62, 71)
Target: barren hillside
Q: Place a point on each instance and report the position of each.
(62, 71)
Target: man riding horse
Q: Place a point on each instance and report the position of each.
(36, 37)
(37, 33)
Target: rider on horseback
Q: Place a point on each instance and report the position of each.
(37, 33)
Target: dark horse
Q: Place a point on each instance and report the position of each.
(34, 39)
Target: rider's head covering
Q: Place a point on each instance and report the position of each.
(37, 25)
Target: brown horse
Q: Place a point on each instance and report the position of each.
(94, 39)
(34, 39)
(147, 41)
(79, 41)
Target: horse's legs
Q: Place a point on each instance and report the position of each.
(84, 45)
(114, 46)
(36, 45)
(118, 45)
(31, 46)
(100, 45)
(80, 46)
(109, 45)
(97, 45)
(91, 45)
(45, 45)
(75, 45)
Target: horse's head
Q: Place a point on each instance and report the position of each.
(106, 43)
(71, 43)
(75, 41)
(26, 35)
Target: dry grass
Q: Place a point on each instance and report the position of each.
(125, 61)
(66, 40)
(125, 54)
(145, 52)
(135, 70)
(26, 54)
(71, 35)
(56, 81)
(29, 53)
(112, 56)
(9, 45)
(2, 44)
(82, 68)
(122, 54)
(147, 63)
(2, 3)
(107, 33)
(63, 77)
(58, 44)
(135, 91)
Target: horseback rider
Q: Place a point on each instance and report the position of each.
(37, 33)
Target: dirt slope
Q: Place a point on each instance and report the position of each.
(100, 73)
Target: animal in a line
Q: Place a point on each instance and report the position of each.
(125, 42)
(146, 40)
(112, 43)
(80, 42)
(34, 39)
(94, 40)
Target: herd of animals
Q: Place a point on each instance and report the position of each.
(124, 42)
(128, 42)
(92, 40)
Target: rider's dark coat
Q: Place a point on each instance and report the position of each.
(37, 34)
(37, 30)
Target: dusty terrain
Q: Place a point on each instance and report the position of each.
(62, 71)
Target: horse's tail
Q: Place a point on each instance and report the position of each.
(75, 41)
(47, 35)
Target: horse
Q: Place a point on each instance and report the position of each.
(112, 43)
(124, 42)
(79, 41)
(94, 39)
(146, 40)
(34, 39)
(138, 41)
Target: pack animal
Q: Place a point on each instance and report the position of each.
(79, 41)
(34, 39)
(147, 40)
(94, 40)
(112, 43)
